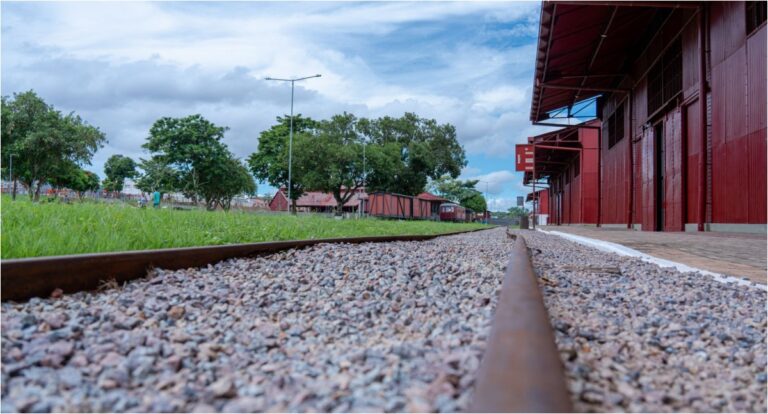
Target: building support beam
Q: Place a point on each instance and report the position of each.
(631, 143)
(702, 117)
(533, 207)
(600, 175)
(551, 147)
(583, 88)
(657, 4)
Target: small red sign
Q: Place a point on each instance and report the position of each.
(524, 157)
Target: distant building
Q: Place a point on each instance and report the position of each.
(316, 202)
(541, 204)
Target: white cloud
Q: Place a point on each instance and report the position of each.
(501, 204)
(497, 182)
(123, 65)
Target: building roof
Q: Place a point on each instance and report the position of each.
(319, 199)
(529, 197)
(587, 48)
(431, 197)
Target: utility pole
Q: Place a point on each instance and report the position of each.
(487, 206)
(290, 136)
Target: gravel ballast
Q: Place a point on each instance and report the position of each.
(391, 326)
(637, 337)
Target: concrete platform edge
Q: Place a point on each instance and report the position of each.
(626, 251)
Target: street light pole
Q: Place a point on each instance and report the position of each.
(290, 134)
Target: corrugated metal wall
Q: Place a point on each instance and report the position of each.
(738, 130)
(738, 117)
(589, 177)
(543, 202)
(576, 201)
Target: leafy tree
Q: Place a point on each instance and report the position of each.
(333, 160)
(44, 141)
(460, 191)
(189, 156)
(413, 150)
(157, 176)
(189, 146)
(82, 181)
(476, 202)
(71, 176)
(518, 211)
(117, 169)
(270, 162)
(225, 180)
(453, 189)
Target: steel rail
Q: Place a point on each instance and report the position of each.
(521, 370)
(39, 276)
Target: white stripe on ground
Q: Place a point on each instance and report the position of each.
(622, 250)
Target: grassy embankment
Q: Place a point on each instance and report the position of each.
(31, 230)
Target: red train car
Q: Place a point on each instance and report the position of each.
(453, 212)
(400, 206)
(388, 205)
(422, 209)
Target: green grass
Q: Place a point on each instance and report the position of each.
(50, 229)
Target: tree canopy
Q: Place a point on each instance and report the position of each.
(344, 153)
(332, 161)
(157, 176)
(412, 150)
(462, 192)
(188, 155)
(117, 169)
(80, 181)
(44, 142)
(270, 162)
(517, 211)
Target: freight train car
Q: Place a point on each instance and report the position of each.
(453, 212)
(388, 205)
(422, 209)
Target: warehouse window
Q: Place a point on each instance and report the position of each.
(615, 126)
(665, 79)
(756, 11)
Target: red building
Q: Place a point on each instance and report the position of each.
(540, 200)
(316, 202)
(566, 161)
(680, 88)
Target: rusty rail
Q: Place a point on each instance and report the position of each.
(521, 369)
(39, 276)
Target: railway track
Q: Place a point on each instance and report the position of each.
(40, 276)
(520, 370)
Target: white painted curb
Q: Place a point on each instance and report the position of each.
(626, 251)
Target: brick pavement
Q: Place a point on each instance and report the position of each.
(734, 254)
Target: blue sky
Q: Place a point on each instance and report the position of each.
(124, 65)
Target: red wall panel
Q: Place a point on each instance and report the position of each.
(756, 124)
(673, 182)
(615, 182)
(738, 118)
(693, 150)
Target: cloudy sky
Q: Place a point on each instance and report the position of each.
(124, 65)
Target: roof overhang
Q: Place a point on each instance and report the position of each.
(586, 49)
(555, 150)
